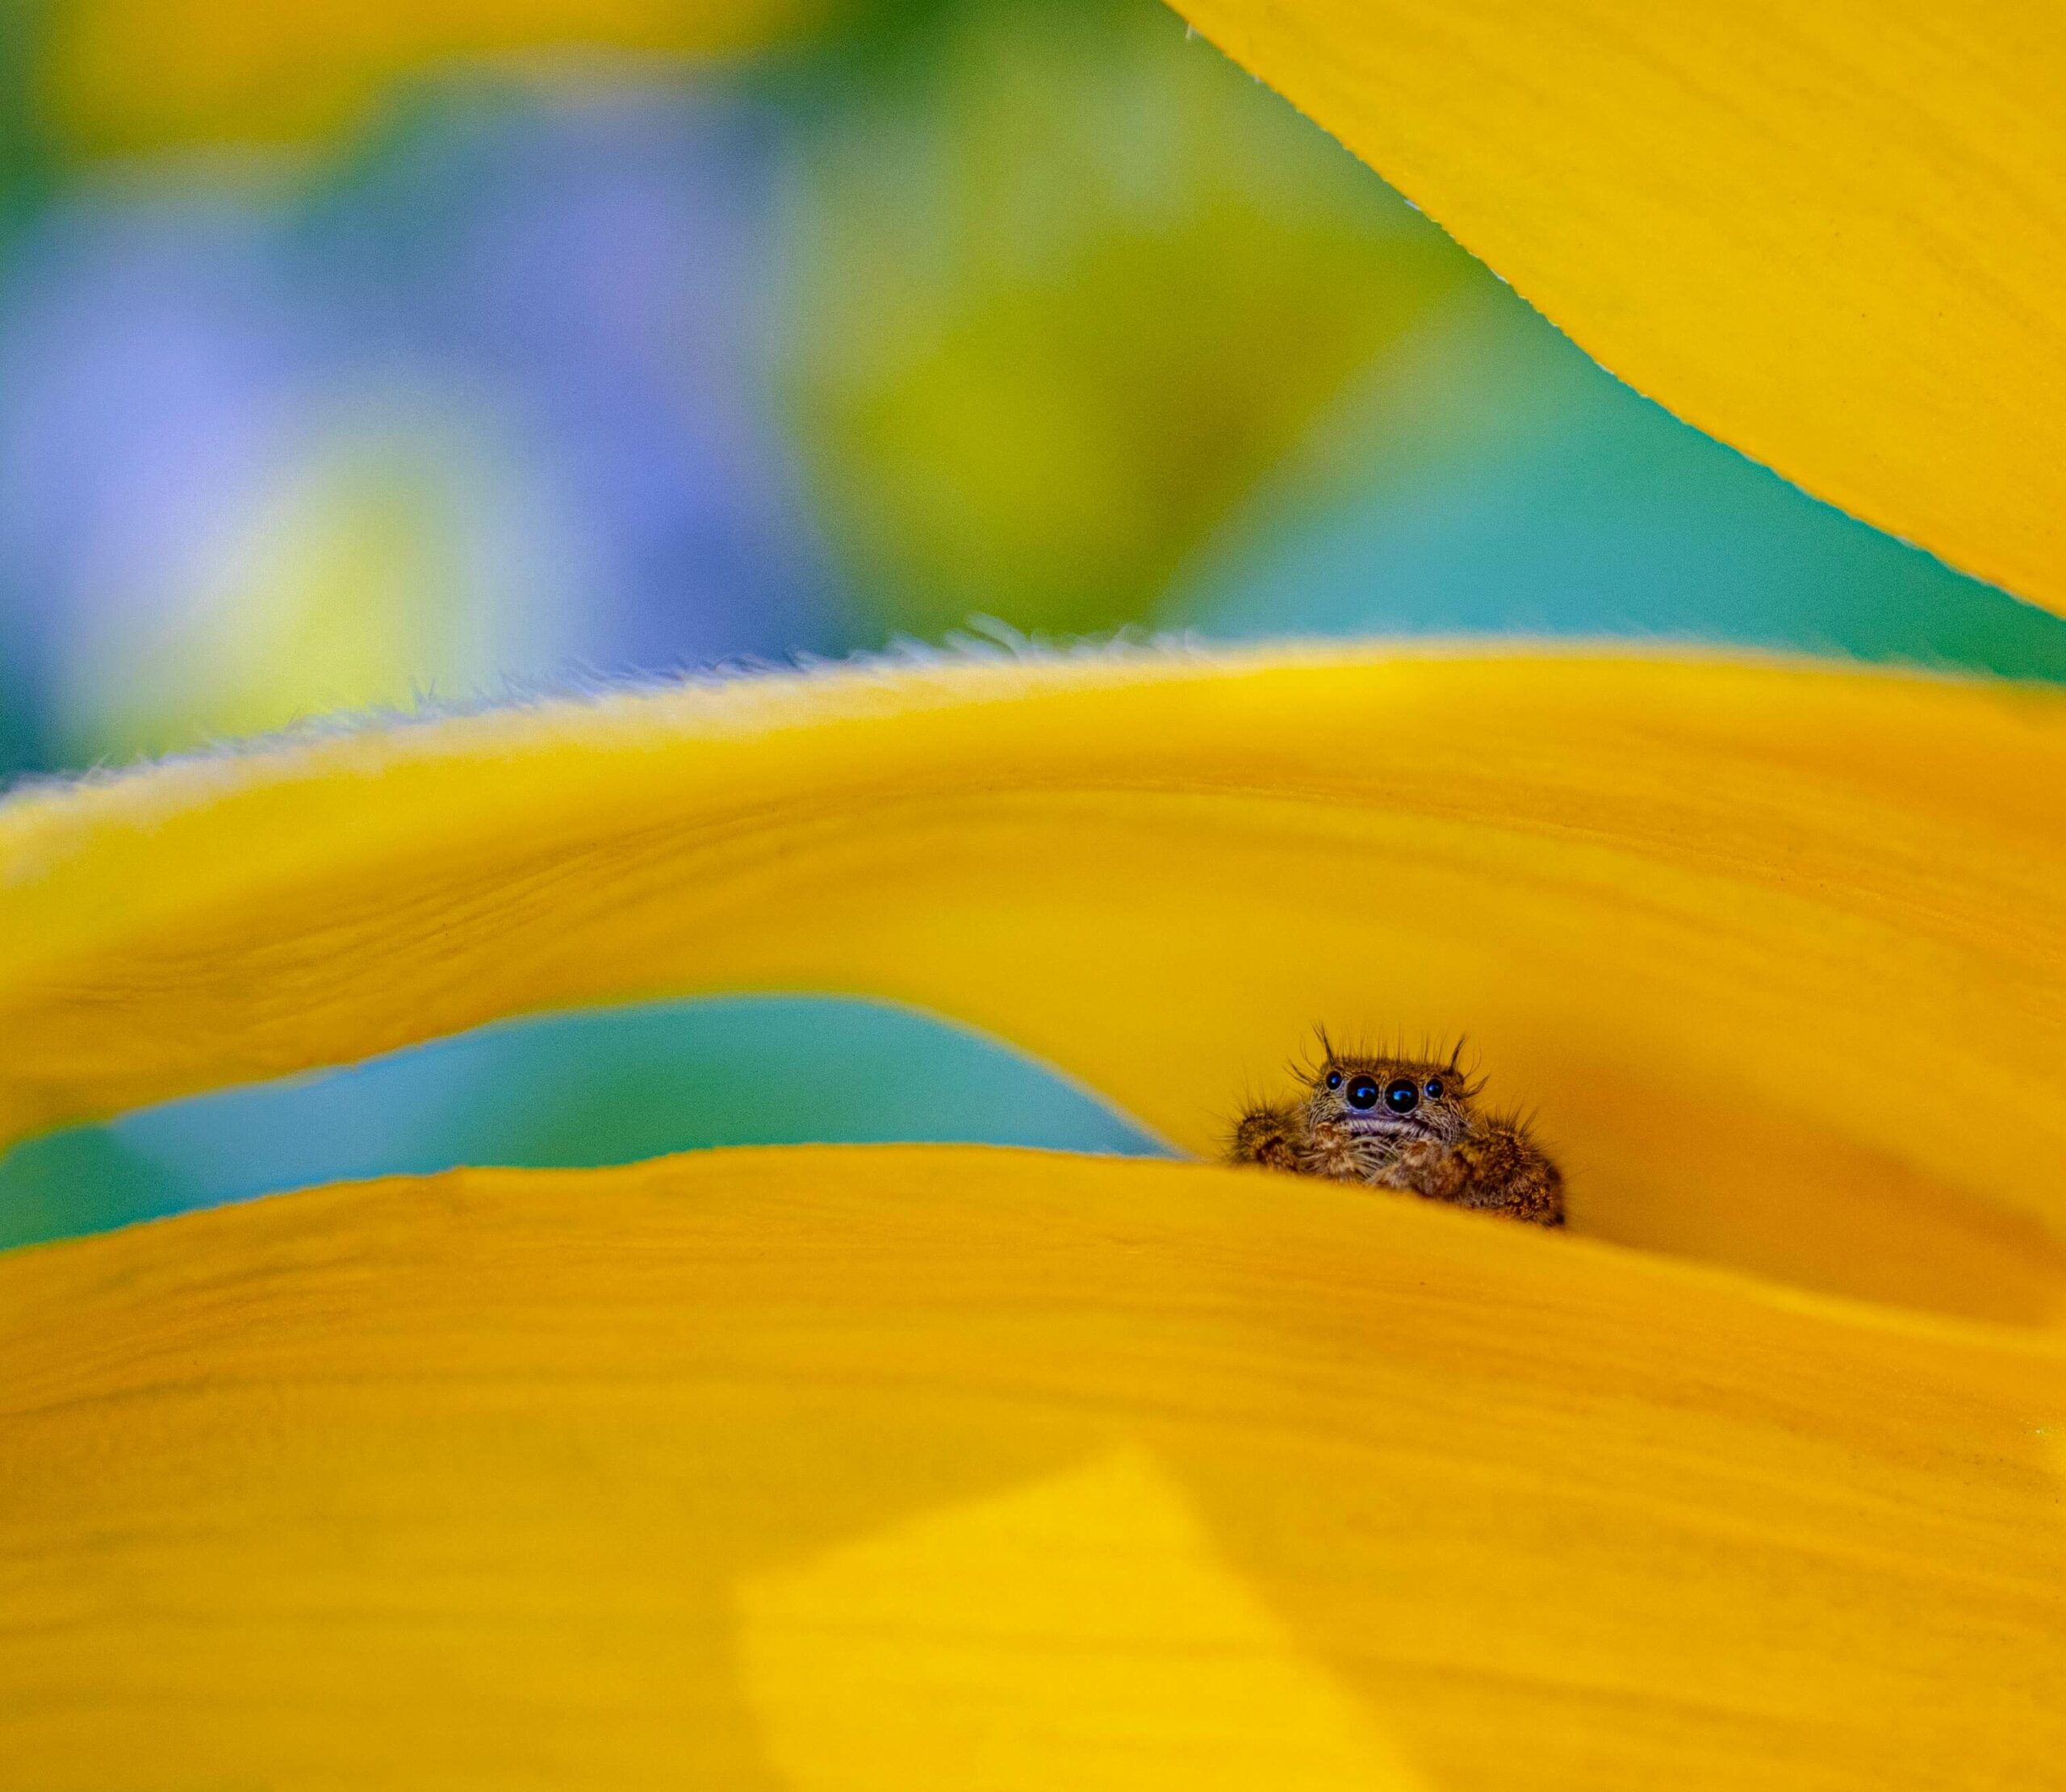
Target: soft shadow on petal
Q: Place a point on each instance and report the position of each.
(1829, 234)
(931, 1653)
(519, 1478)
(1773, 951)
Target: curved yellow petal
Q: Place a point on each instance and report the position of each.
(919, 1466)
(127, 75)
(1827, 233)
(1775, 953)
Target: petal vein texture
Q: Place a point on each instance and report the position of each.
(1774, 953)
(1827, 233)
(955, 1468)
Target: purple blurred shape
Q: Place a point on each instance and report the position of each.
(590, 275)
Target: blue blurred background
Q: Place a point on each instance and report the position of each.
(354, 355)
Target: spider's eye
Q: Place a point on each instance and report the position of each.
(1434, 1091)
(1363, 1092)
(1401, 1094)
(1334, 1079)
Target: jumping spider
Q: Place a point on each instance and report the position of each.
(1411, 1124)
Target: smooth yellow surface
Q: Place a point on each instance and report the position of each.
(924, 1468)
(898, 1651)
(1829, 233)
(145, 74)
(1775, 954)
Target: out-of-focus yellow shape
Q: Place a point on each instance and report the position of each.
(354, 581)
(639, 1477)
(932, 1653)
(1828, 233)
(142, 74)
(1774, 953)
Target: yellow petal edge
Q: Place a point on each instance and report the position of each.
(1773, 952)
(960, 1468)
(1828, 233)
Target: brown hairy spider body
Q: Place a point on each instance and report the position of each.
(1409, 1124)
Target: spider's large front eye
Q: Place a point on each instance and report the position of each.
(1401, 1094)
(1363, 1092)
(1334, 1079)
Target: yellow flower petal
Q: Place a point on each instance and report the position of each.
(1827, 233)
(642, 1477)
(901, 1649)
(139, 74)
(1775, 953)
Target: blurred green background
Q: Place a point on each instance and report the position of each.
(353, 356)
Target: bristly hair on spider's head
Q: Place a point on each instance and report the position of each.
(1395, 1058)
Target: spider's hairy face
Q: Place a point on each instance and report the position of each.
(1392, 1102)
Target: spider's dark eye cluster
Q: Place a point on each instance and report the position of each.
(1334, 1079)
(1363, 1092)
(1401, 1094)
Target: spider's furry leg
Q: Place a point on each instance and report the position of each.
(1501, 1169)
(1270, 1136)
